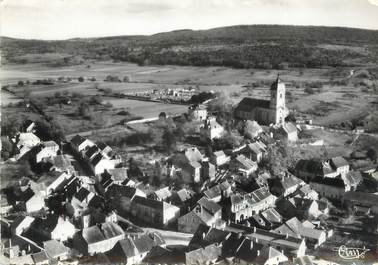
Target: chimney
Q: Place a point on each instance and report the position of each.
(203, 235)
(258, 253)
(254, 229)
(287, 236)
(251, 245)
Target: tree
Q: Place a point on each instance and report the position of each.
(20, 83)
(251, 129)
(49, 130)
(81, 79)
(372, 154)
(126, 79)
(6, 148)
(83, 110)
(169, 141)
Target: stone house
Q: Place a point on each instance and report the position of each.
(98, 238)
(211, 129)
(243, 165)
(244, 206)
(154, 212)
(219, 158)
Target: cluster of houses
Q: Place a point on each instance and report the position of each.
(232, 208)
(168, 94)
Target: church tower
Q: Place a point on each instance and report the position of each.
(277, 101)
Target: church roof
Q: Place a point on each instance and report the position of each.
(248, 104)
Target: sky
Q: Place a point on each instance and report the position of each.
(63, 19)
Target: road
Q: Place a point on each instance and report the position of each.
(172, 237)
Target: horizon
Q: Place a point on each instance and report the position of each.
(68, 19)
(176, 30)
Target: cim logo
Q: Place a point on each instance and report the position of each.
(350, 253)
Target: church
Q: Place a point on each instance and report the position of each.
(265, 112)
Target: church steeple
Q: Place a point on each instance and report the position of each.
(276, 83)
(277, 99)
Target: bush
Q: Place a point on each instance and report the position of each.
(309, 90)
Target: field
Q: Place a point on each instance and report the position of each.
(342, 97)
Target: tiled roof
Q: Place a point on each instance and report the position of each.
(210, 206)
(247, 163)
(289, 127)
(54, 248)
(77, 140)
(339, 161)
(148, 202)
(163, 193)
(82, 194)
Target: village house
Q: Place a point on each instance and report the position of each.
(132, 250)
(255, 151)
(289, 131)
(285, 185)
(211, 129)
(55, 250)
(123, 195)
(219, 158)
(100, 164)
(35, 203)
(218, 192)
(333, 188)
(80, 201)
(212, 244)
(306, 192)
(61, 163)
(340, 165)
(206, 212)
(48, 227)
(182, 199)
(295, 228)
(162, 194)
(271, 256)
(286, 244)
(198, 112)
(254, 129)
(244, 206)
(118, 175)
(98, 238)
(79, 143)
(209, 254)
(208, 171)
(61, 181)
(24, 143)
(154, 212)
(309, 169)
(265, 112)
(21, 224)
(46, 150)
(317, 208)
(352, 180)
(243, 165)
(189, 165)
